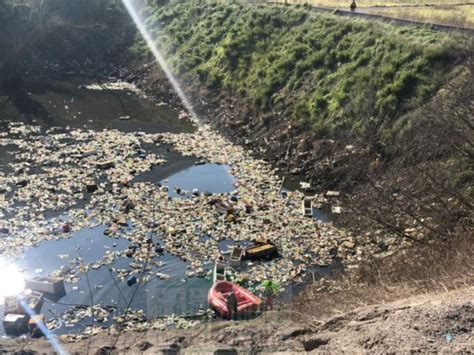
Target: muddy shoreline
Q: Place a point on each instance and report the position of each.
(429, 323)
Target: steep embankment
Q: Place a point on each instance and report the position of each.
(51, 38)
(345, 104)
(333, 77)
(429, 323)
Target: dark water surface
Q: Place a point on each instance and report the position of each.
(69, 104)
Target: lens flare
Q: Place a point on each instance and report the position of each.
(47, 333)
(12, 281)
(134, 14)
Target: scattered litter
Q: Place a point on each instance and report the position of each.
(34, 300)
(33, 325)
(15, 324)
(236, 256)
(47, 285)
(261, 250)
(307, 207)
(108, 163)
(448, 337)
(132, 280)
(220, 295)
(219, 273)
(305, 185)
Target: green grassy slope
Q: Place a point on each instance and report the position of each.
(330, 74)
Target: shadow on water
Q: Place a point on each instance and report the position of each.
(69, 103)
(175, 162)
(30, 109)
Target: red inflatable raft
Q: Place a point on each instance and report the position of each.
(247, 302)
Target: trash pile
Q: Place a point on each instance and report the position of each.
(22, 314)
(88, 178)
(256, 210)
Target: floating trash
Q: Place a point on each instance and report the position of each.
(167, 246)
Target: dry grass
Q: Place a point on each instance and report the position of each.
(449, 12)
(427, 269)
(450, 15)
(370, 3)
(445, 259)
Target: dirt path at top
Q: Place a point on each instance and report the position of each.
(370, 13)
(382, 6)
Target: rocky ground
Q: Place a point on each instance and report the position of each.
(427, 323)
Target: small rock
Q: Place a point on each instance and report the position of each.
(314, 342)
(144, 346)
(106, 350)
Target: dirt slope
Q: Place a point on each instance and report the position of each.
(427, 323)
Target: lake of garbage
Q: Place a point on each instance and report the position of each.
(52, 134)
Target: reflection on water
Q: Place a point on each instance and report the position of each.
(12, 281)
(65, 104)
(87, 246)
(212, 178)
(68, 104)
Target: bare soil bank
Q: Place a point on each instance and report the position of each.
(427, 323)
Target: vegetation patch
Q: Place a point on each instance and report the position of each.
(52, 35)
(329, 74)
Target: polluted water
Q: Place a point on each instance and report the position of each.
(108, 208)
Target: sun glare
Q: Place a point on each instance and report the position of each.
(12, 281)
(133, 9)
